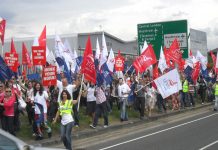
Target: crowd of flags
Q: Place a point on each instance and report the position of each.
(101, 68)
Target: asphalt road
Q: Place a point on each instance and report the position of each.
(192, 130)
(197, 132)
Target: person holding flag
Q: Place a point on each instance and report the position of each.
(123, 92)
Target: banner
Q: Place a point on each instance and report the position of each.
(119, 62)
(11, 59)
(39, 55)
(49, 76)
(169, 83)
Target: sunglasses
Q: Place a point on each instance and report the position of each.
(8, 91)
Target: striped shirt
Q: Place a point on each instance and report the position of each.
(100, 96)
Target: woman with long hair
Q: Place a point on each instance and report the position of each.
(40, 101)
(67, 121)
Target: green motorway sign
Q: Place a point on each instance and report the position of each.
(162, 34)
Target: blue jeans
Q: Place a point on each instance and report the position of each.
(66, 135)
(123, 110)
(216, 102)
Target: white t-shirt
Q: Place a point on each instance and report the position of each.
(66, 118)
(124, 88)
(41, 99)
(90, 95)
(30, 94)
(70, 88)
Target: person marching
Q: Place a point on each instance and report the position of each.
(216, 95)
(65, 111)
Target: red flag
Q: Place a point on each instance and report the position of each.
(214, 60)
(24, 73)
(42, 38)
(174, 52)
(88, 65)
(181, 64)
(146, 59)
(196, 71)
(155, 72)
(13, 50)
(170, 63)
(25, 56)
(2, 30)
(119, 62)
(190, 53)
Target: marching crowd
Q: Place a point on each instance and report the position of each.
(47, 104)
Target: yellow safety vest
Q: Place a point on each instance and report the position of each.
(185, 86)
(66, 108)
(216, 89)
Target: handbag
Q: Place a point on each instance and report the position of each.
(22, 104)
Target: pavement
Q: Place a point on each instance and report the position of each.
(85, 133)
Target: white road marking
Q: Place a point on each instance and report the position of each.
(167, 129)
(209, 145)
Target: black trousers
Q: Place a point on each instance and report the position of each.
(140, 104)
(101, 109)
(8, 124)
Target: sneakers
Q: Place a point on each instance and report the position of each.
(39, 137)
(105, 126)
(92, 126)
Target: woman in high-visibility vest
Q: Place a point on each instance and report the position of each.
(67, 121)
(216, 95)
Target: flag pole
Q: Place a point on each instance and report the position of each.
(80, 92)
(128, 70)
(144, 86)
(2, 50)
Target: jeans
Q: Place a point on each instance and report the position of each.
(123, 111)
(101, 109)
(184, 99)
(66, 136)
(216, 102)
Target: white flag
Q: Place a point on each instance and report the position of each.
(63, 52)
(51, 60)
(98, 51)
(67, 46)
(73, 67)
(169, 83)
(202, 59)
(144, 47)
(104, 52)
(111, 61)
(162, 61)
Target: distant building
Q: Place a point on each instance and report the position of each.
(198, 42)
(78, 41)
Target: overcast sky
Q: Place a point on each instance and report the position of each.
(26, 18)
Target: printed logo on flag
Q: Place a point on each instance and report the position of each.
(49, 76)
(39, 55)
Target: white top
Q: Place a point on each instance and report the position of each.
(70, 88)
(90, 94)
(66, 118)
(41, 99)
(30, 94)
(124, 88)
